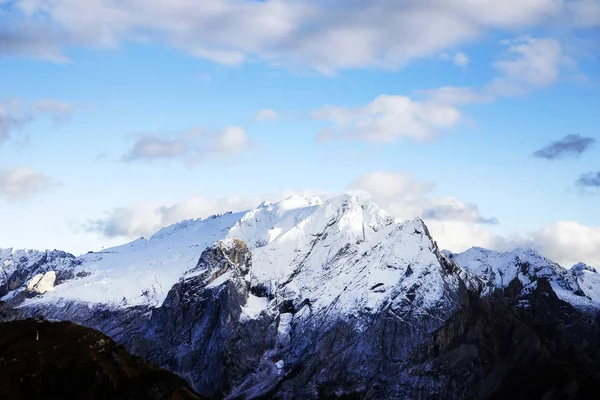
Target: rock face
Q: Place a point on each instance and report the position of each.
(45, 360)
(18, 268)
(199, 322)
(41, 283)
(305, 299)
(514, 345)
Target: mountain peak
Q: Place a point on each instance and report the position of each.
(265, 204)
(580, 267)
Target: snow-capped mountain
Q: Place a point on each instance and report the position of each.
(305, 298)
(579, 286)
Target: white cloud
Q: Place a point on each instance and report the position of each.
(585, 13)
(537, 63)
(454, 96)
(569, 242)
(529, 64)
(134, 221)
(451, 209)
(232, 139)
(58, 110)
(458, 236)
(326, 36)
(454, 224)
(151, 147)
(403, 197)
(387, 187)
(388, 118)
(22, 183)
(189, 146)
(566, 242)
(267, 114)
(461, 60)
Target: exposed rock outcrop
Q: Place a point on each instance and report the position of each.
(41, 283)
(199, 323)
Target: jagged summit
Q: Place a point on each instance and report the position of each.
(265, 204)
(581, 268)
(527, 265)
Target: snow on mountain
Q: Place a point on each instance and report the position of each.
(20, 266)
(345, 254)
(588, 280)
(143, 271)
(349, 257)
(264, 224)
(340, 221)
(528, 265)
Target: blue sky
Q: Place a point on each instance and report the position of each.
(118, 118)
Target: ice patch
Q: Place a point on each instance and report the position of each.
(253, 307)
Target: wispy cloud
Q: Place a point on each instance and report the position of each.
(59, 111)
(450, 209)
(570, 145)
(14, 115)
(459, 59)
(23, 183)
(188, 146)
(12, 118)
(589, 180)
(266, 114)
(533, 63)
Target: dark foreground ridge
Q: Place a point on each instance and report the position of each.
(62, 360)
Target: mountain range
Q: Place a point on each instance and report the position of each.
(336, 299)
